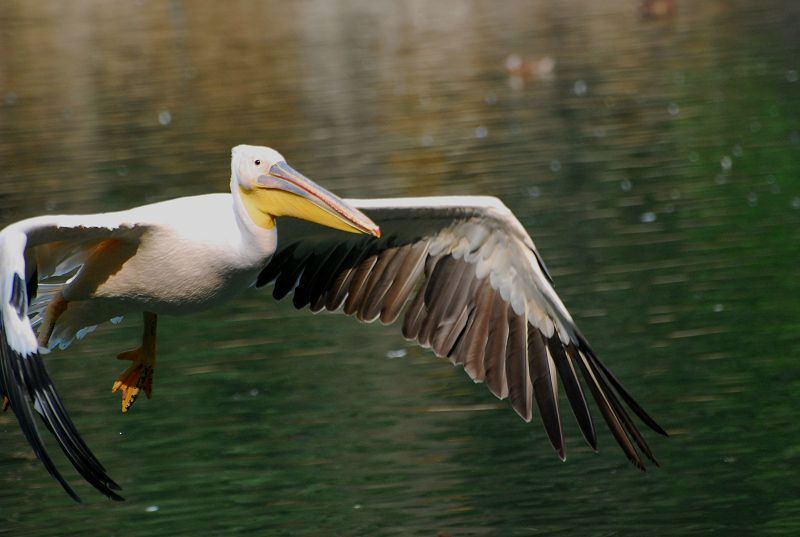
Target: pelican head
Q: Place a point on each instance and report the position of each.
(270, 188)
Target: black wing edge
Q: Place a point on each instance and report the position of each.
(20, 374)
(607, 390)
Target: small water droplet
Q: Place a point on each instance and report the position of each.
(481, 132)
(718, 308)
(151, 508)
(648, 217)
(164, 117)
(253, 392)
(625, 185)
(426, 140)
(755, 125)
(545, 67)
(726, 163)
(534, 191)
(729, 460)
(796, 202)
(396, 353)
(10, 98)
(513, 62)
(673, 109)
(580, 88)
(791, 76)
(357, 506)
(737, 151)
(752, 199)
(555, 165)
(490, 99)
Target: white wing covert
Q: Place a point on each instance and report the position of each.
(479, 295)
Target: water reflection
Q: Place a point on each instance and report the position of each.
(655, 165)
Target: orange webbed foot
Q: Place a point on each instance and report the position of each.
(136, 378)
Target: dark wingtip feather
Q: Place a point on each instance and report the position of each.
(289, 277)
(606, 407)
(623, 392)
(275, 265)
(544, 389)
(24, 378)
(572, 388)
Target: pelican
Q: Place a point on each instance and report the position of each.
(477, 291)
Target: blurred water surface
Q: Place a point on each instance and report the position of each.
(652, 150)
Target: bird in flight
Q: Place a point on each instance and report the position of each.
(461, 271)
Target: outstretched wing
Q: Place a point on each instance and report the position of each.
(479, 294)
(30, 249)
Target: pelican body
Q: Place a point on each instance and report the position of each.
(465, 272)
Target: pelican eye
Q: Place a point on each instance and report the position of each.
(258, 162)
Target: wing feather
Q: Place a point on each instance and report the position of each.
(403, 285)
(545, 389)
(517, 375)
(358, 284)
(325, 276)
(339, 288)
(607, 410)
(494, 358)
(474, 341)
(572, 387)
(439, 295)
(385, 272)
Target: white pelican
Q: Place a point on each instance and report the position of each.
(479, 292)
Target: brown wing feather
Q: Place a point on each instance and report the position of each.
(494, 358)
(545, 390)
(517, 375)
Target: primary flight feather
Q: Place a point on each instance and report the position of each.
(466, 274)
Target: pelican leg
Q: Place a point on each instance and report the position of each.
(139, 375)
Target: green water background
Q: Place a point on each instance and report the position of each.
(654, 158)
